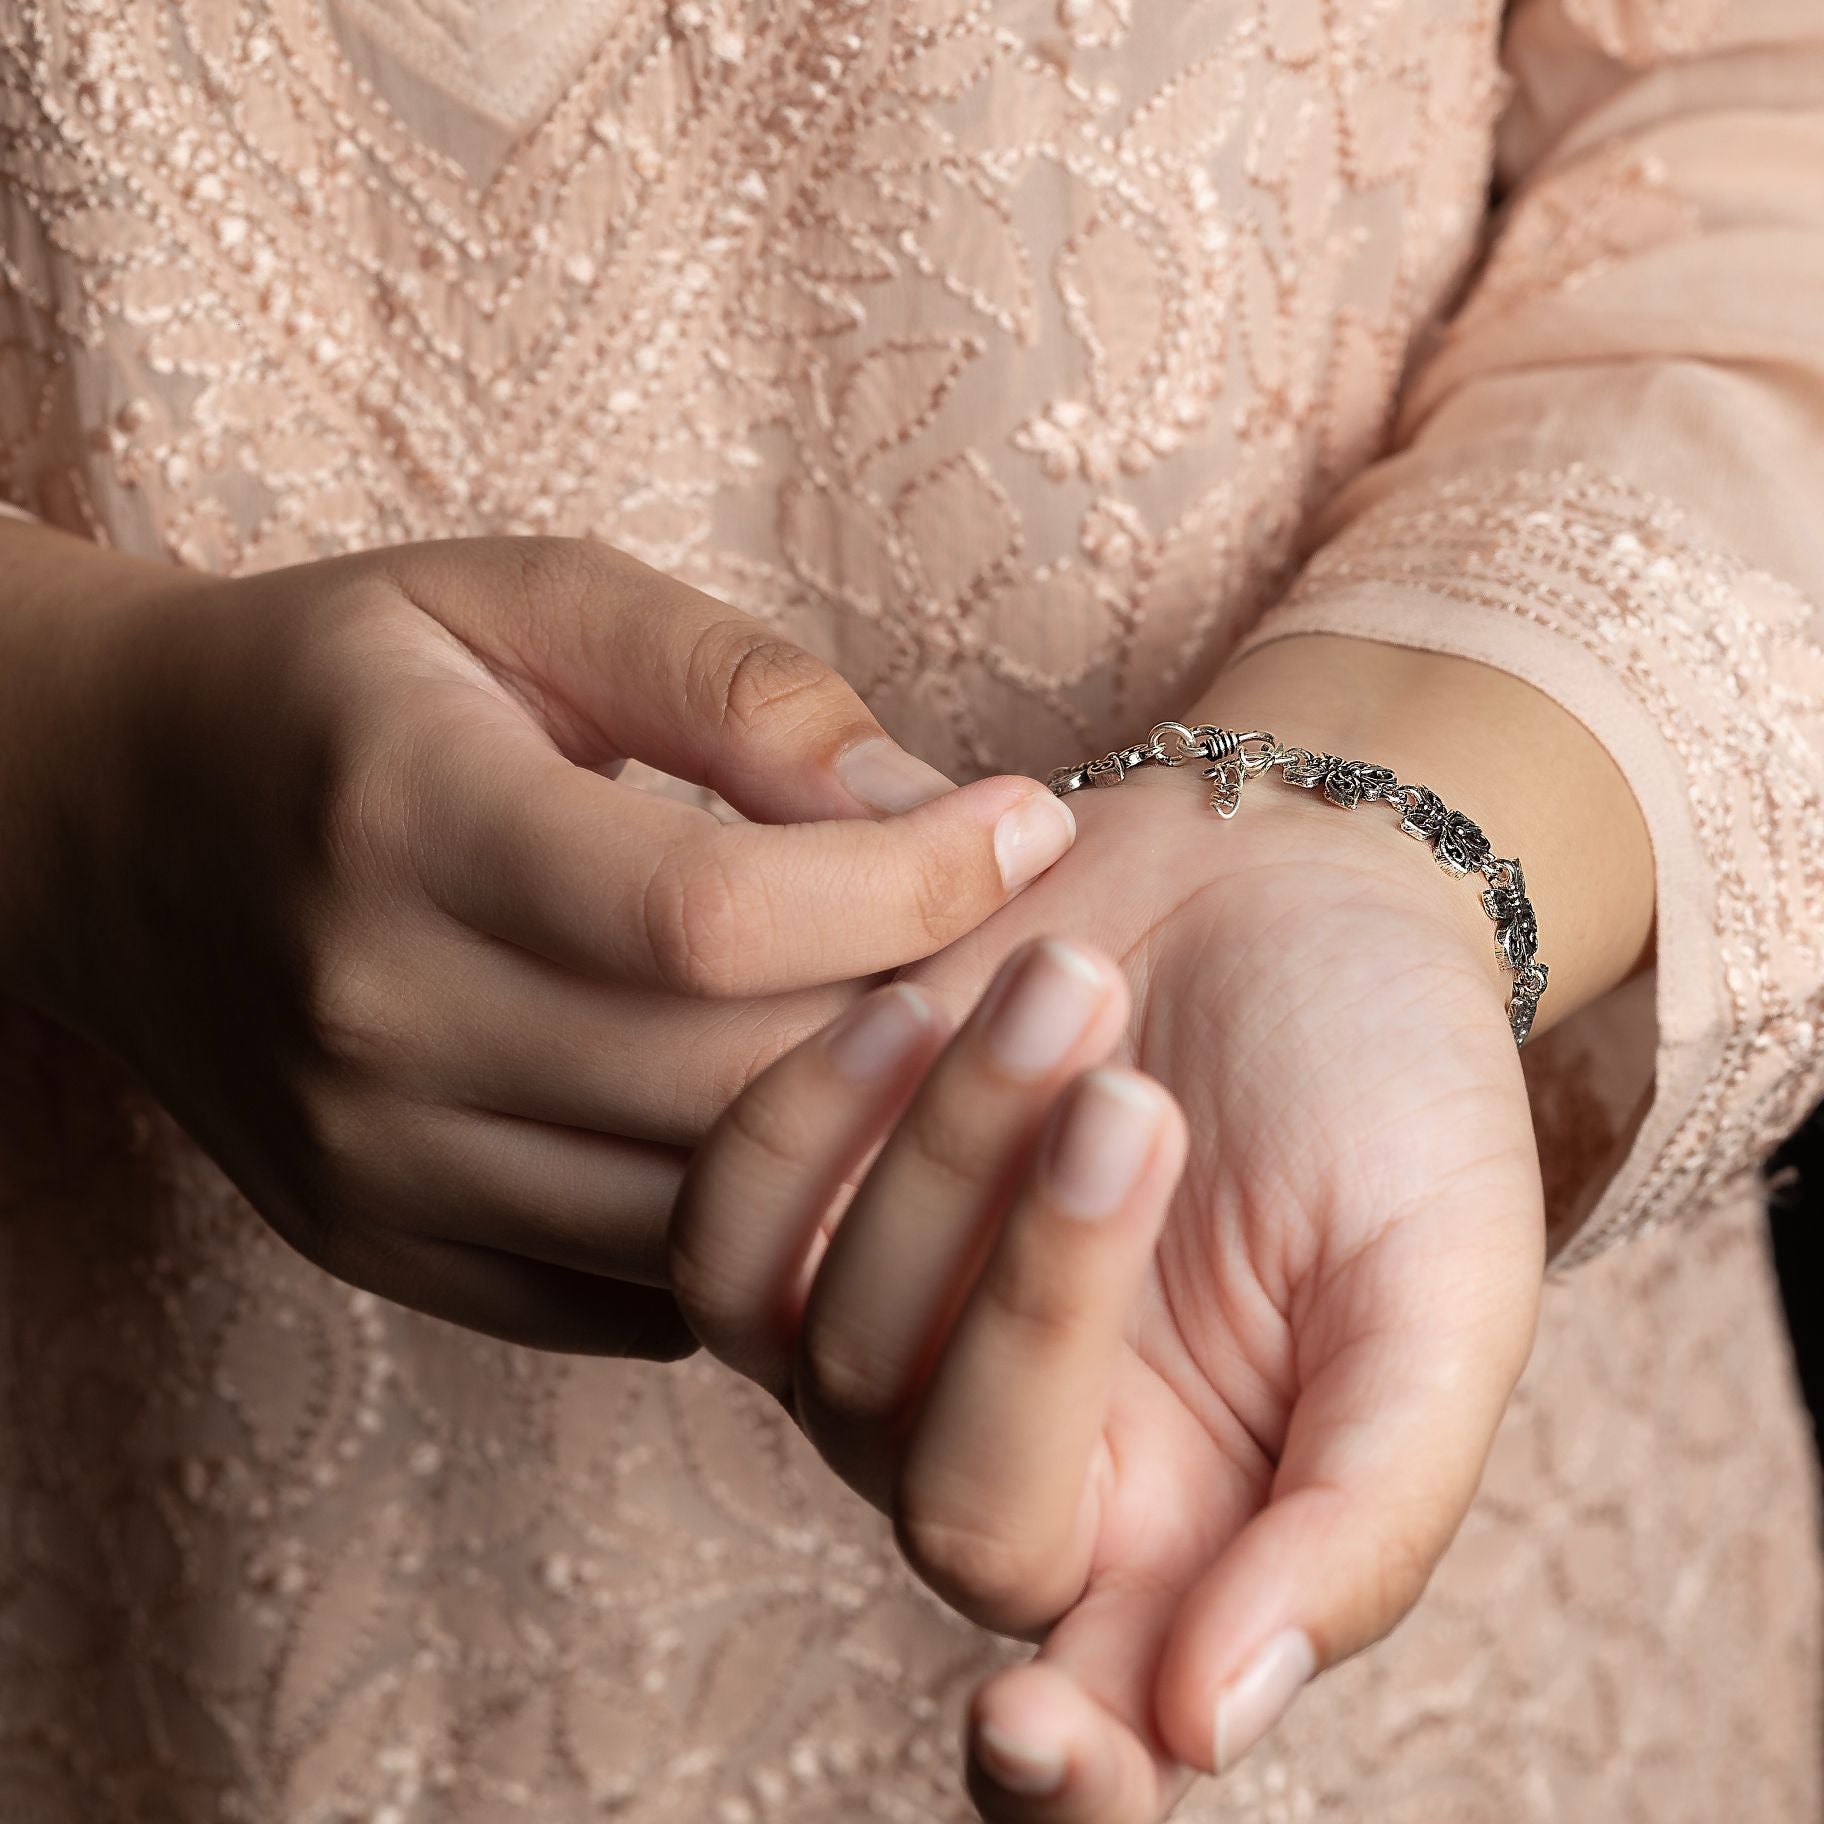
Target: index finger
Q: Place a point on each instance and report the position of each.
(627, 885)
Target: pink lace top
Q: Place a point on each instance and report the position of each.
(1023, 357)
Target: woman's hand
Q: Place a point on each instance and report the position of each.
(1163, 1443)
(1200, 1452)
(333, 858)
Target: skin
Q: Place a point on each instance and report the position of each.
(1261, 1395)
(333, 857)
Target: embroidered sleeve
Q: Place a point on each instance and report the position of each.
(1604, 478)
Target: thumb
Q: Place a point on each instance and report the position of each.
(618, 659)
(1385, 1448)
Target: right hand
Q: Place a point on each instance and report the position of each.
(333, 857)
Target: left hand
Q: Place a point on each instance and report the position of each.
(1198, 1451)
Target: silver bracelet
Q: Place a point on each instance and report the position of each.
(1457, 845)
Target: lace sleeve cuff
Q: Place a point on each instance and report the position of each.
(1704, 679)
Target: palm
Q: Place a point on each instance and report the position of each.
(1359, 1214)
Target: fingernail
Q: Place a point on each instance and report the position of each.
(878, 1033)
(1031, 836)
(1044, 1008)
(1027, 1767)
(1101, 1145)
(1258, 1696)
(880, 774)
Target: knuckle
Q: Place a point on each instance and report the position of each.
(1400, 1569)
(550, 573)
(843, 1383)
(707, 1293)
(940, 895)
(747, 681)
(349, 1014)
(954, 1155)
(347, 1136)
(724, 1313)
(699, 921)
(540, 605)
(971, 1565)
(359, 807)
(774, 1131)
(363, 819)
(1037, 1298)
(549, 589)
(709, 1277)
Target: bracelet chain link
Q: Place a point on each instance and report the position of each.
(1457, 845)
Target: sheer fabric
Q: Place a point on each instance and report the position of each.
(1022, 359)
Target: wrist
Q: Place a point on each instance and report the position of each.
(1541, 786)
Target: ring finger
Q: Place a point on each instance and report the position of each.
(593, 1203)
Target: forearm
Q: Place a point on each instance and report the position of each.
(61, 599)
(1537, 781)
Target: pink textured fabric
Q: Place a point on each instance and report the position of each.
(1016, 355)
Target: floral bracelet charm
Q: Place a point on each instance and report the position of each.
(1457, 844)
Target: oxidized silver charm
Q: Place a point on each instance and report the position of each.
(1422, 812)
(1299, 766)
(1460, 847)
(1523, 1001)
(1348, 782)
(1226, 778)
(1457, 845)
(1344, 782)
(1516, 926)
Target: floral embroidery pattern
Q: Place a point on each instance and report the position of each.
(994, 350)
(1728, 664)
(999, 350)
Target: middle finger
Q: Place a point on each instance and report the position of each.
(909, 1246)
(505, 1032)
